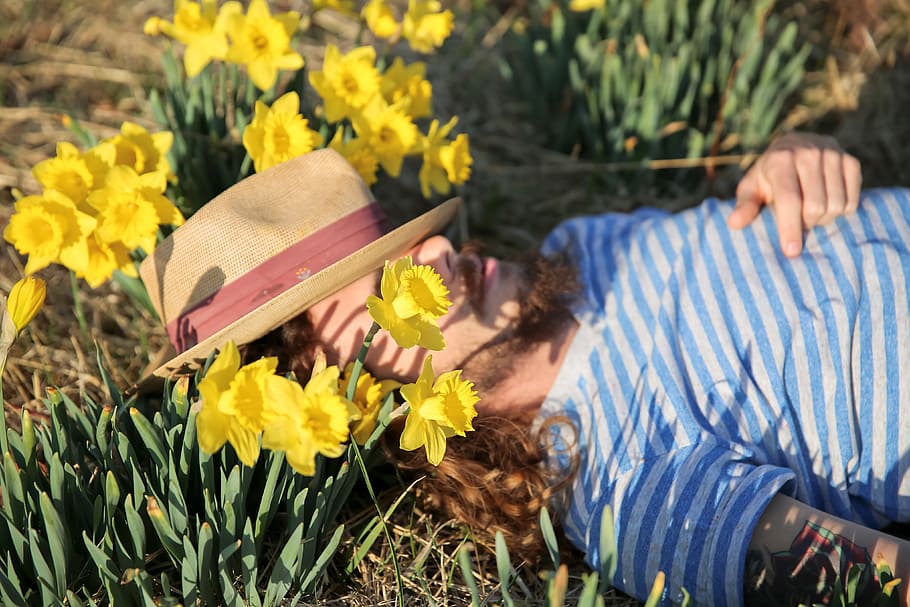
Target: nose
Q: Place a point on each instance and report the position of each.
(436, 251)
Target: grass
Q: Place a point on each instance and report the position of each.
(90, 58)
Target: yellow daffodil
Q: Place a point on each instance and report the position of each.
(381, 20)
(247, 397)
(25, 299)
(309, 420)
(580, 6)
(368, 397)
(413, 299)
(142, 151)
(390, 132)
(444, 162)
(358, 153)
(408, 82)
(279, 133)
(262, 42)
(432, 174)
(342, 6)
(456, 159)
(131, 207)
(217, 422)
(50, 229)
(201, 27)
(426, 26)
(103, 259)
(438, 410)
(347, 83)
(74, 173)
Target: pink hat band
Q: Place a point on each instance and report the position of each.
(276, 275)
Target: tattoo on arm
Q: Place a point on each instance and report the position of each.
(819, 568)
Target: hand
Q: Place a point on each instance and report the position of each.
(807, 180)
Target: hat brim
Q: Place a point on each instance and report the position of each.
(320, 285)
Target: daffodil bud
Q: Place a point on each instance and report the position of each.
(25, 299)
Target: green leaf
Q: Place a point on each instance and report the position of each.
(77, 414)
(687, 599)
(111, 494)
(467, 572)
(9, 587)
(229, 595)
(549, 536)
(112, 388)
(282, 575)
(607, 548)
(18, 540)
(136, 527)
(589, 592)
(176, 503)
(102, 431)
(315, 570)
(135, 288)
(170, 540)
(188, 448)
(13, 491)
(657, 591)
(46, 578)
(503, 567)
(189, 573)
(56, 542)
(28, 439)
(249, 565)
(364, 545)
(143, 583)
(150, 438)
(56, 478)
(206, 560)
(271, 494)
(557, 586)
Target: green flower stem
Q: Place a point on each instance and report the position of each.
(135, 289)
(399, 582)
(77, 305)
(358, 362)
(4, 442)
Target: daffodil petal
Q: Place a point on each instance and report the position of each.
(245, 443)
(412, 436)
(435, 445)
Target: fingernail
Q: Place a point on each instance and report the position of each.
(791, 249)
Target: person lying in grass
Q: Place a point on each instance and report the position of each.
(729, 379)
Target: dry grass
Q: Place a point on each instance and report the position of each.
(89, 58)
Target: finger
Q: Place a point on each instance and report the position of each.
(853, 182)
(749, 200)
(788, 203)
(746, 211)
(810, 169)
(835, 187)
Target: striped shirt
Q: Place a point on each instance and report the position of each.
(710, 372)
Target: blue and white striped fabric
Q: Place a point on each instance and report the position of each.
(710, 372)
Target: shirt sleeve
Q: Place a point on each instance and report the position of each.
(689, 513)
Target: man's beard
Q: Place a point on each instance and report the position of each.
(548, 286)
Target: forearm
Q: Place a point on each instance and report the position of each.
(795, 545)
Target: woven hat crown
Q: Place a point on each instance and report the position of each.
(269, 247)
(247, 224)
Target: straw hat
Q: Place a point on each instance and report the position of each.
(269, 247)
